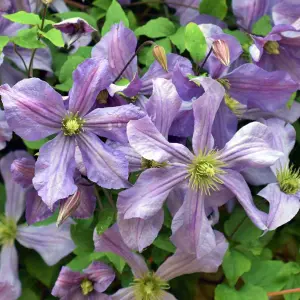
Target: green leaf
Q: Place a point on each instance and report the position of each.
(103, 4)
(35, 145)
(156, 28)
(79, 262)
(293, 283)
(115, 14)
(216, 8)
(106, 217)
(262, 26)
(28, 293)
(242, 37)
(235, 264)
(126, 277)
(163, 242)
(23, 17)
(52, 219)
(195, 42)
(291, 100)
(85, 52)
(2, 198)
(132, 20)
(77, 14)
(82, 236)
(118, 262)
(3, 42)
(158, 255)
(27, 38)
(178, 38)
(54, 36)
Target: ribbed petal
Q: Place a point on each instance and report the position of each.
(260, 176)
(163, 105)
(7, 291)
(283, 207)
(5, 131)
(9, 74)
(50, 242)
(59, 6)
(111, 241)
(54, 170)
(144, 137)
(105, 166)
(286, 12)
(31, 114)
(22, 170)
(90, 77)
(138, 233)
(167, 296)
(149, 193)
(124, 294)
(205, 109)
(111, 122)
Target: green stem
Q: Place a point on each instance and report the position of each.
(98, 198)
(22, 59)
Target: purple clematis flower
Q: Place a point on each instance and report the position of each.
(5, 131)
(153, 285)
(50, 242)
(88, 285)
(204, 170)
(34, 115)
(283, 189)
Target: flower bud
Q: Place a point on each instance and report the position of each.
(221, 51)
(159, 54)
(272, 47)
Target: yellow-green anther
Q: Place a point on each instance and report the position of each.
(86, 286)
(224, 82)
(72, 124)
(8, 230)
(148, 164)
(235, 106)
(272, 47)
(289, 180)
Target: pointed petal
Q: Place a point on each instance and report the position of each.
(261, 176)
(5, 131)
(167, 296)
(124, 294)
(105, 166)
(101, 275)
(54, 170)
(283, 207)
(15, 194)
(9, 74)
(149, 193)
(111, 241)
(31, 114)
(50, 242)
(138, 233)
(111, 122)
(205, 109)
(90, 77)
(237, 184)
(286, 12)
(163, 105)
(22, 170)
(150, 143)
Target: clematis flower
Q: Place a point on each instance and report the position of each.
(153, 285)
(5, 131)
(204, 170)
(34, 115)
(88, 285)
(283, 189)
(50, 242)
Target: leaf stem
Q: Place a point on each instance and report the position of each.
(206, 58)
(21, 57)
(98, 198)
(284, 292)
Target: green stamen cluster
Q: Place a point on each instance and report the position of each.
(72, 124)
(148, 164)
(150, 287)
(225, 83)
(236, 107)
(272, 47)
(86, 286)
(8, 230)
(204, 171)
(289, 180)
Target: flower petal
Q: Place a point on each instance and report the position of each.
(105, 166)
(50, 242)
(111, 241)
(124, 294)
(31, 114)
(7, 291)
(54, 170)
(5, 131)
(22, 170)
(90, 77)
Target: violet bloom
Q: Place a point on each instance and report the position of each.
(88, 285)
(283, 189)
(34, 115)
(50, 242)
(153, 285)
(204, 170)
(5, 131)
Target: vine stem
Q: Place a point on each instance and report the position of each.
(161, 2)
(21, 57)
(284, 292)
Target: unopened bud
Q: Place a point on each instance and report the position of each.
(221, 51)
(159, 54)
(67, 207)
(272, 47)
(102, 97)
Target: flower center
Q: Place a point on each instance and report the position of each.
(224, 82)
(148, 164)
(272, 47)
(150, 287)
(289, 180)
(72, 124)
(8, 230)
(236, 107)
(86, 286)
(204, 171)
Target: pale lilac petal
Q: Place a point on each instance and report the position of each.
(54, 170)
(100, 274)
(176, 198)
(283, 207)
(167, 296)
(251, 146)
(237, 184)
(9, 74)
(59, 6)
(15, 194)
(118, 46)
(7, 291)
(205, 109)
(138, 233)
(163, 105)
(149, 193)
(185, 13)
(74, 26)
(105, 166)
(22, 170)
(31, 114)
(144, 137)
(51, 242)
(111, 241)
(5, 131)
(286, 12)
(260, 176)
(90, 77)
(124, 294)
(111, 122)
